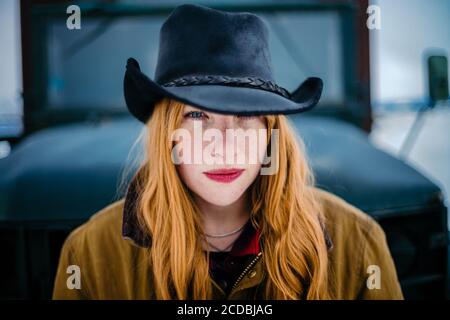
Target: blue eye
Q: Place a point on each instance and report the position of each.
(195, 115)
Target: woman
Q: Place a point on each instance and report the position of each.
(200, 219)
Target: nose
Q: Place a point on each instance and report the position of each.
(224, 122)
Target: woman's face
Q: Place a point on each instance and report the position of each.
(221, 154)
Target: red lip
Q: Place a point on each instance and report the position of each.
(224, 175)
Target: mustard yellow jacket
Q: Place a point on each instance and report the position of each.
(111, 267)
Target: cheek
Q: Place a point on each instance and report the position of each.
(252, 173)
(191, 175)
(251, 150)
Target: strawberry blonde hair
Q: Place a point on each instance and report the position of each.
(283, 207)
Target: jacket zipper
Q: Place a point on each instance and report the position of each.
(247, 269)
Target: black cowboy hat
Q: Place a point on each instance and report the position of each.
(217, 61)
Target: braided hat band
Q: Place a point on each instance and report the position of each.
(225, 57)
(250, 82)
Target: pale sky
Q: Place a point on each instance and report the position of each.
(408, 27)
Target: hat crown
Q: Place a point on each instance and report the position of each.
(197, 40)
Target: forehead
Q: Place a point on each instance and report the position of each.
(189, 107)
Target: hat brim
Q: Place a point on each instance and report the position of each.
(141, 94)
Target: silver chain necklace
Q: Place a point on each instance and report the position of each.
(223, 236)
(226, 234)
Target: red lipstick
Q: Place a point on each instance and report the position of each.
(224, 175)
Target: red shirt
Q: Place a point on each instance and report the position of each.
(225, 267)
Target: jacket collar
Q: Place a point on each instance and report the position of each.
(247, 243)
(130, 226)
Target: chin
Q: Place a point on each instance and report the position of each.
(222, 202)
(220, 196)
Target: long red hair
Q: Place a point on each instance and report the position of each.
(284, 208)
